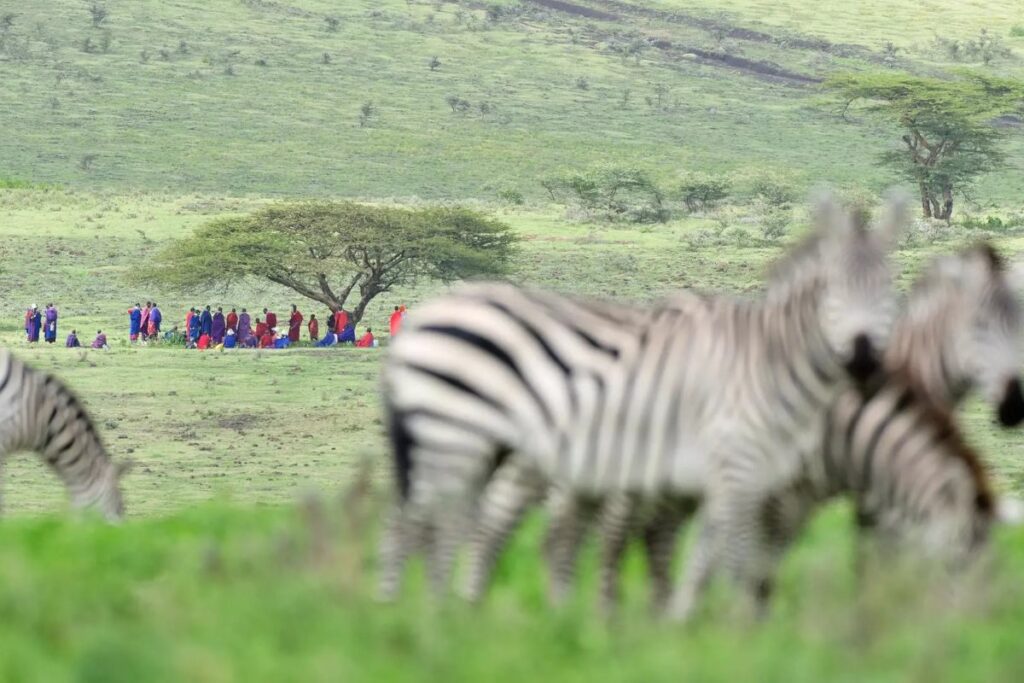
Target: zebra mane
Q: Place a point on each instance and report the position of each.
(947, 433)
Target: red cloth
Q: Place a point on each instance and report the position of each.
(232, 321)
(267, 341)
(188, 319)
(271, 320)
(314, 329)
(261, 329)
(204, 342)
(294, 326)
(366, 341)
(340, 320)
(396, 322)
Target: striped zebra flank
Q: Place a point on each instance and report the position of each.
(961, 330)
(604, 398)
(39, 413)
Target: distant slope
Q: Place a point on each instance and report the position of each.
(264, 96)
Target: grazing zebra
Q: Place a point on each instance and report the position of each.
(601, 399)
(39, 413)
(962, 329)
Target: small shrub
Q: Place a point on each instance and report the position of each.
(332, 24)
(182, 47)
(582, 83)
(701, 191)
(260, 62)
(88, 46)
(86, 162)
(773, 192)
(511, 196)
(495, 13)
(325, 58)
(165, 55)
(99, 14)
(485, 108)
(144, 56)
(229, 70)
(774, 223)
(458, 105)
(1017, 31)
(105, 40)
(7, 20)
(366, 112)
(613, 193)
(434, 63)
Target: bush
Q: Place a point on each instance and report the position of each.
(773, 192)
(511, 196)
(1017, 31)
(614, 193)
(701, 191)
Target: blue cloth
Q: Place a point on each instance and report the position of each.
(281, 343)
(194, 328)
(230, 342)
(329, 340)
(156, 317)
(135, 321)
(206, 323)
(348, 334)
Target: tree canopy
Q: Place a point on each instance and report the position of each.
(947, 134)
(332, 251)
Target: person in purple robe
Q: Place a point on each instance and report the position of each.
(72, 341)
(244, 325)
(50, 328)
(33, 323)
(155, 318)
(218, 326)
(100, 342)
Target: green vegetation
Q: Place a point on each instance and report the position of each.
(137, 133)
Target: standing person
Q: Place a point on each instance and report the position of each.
(233, 320)
(340, 321)
(206, 322)
(134, 322)
(28, 322)
(217, 327)
(244, 325)
(261, 328)
(314, 328)
(50, 324)
(271, 318)
(144, 322)
(366, 341)
(294, 325)
(72, 341)
(396, 321)
(188, 321)
(330, 323)
(195, 329)
(100, 342)
(35, 323)
(155, 318)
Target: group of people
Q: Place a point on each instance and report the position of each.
(37, 321)
(205, 329)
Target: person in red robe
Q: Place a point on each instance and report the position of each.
(314, 327)
(233, 321)
(204, 342)
(366, 341)
(340, 320)
(270, 317)
(294, 325)
(261, 328)
(144, 323)
(267, 339)
(396, 321)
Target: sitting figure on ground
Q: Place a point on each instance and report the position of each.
(72, 341)
(366, 341)
(100, 342)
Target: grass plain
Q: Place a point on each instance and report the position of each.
(165, 119)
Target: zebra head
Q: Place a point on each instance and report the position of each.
(103, 493)
(858, 303)
(978, 301)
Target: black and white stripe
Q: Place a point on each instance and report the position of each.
(39, 413)
(603, 399)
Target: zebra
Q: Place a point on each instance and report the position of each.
(962, 328)
(39, 413)
(602, 399)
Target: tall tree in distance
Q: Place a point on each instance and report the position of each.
(947, 137)
(333, 251)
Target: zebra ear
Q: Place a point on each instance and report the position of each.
(828, 214)
(1010, 511)
(895, 218)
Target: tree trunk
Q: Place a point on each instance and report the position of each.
(947, 203)
(926, 206)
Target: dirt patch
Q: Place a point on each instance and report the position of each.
(240, 423)
(752, 66)
(577, 10)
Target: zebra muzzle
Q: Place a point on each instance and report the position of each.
(864, 362)
(1011, 408)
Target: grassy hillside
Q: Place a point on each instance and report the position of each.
(265, 97)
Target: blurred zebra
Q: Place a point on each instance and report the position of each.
(962, 328)
(39, 413)
(603, 399)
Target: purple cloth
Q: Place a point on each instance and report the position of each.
(34, 324)
(244, 326)
(100, 341)
(72, 341)
(217, 328)
(50, 331)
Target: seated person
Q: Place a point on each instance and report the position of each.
(366, 341)
(251, 341)
(204, 342)
(72, 341)
(267, 340)
(230, 341)
(330, 339)
(282, 341)
(100, 342)
(348, 334)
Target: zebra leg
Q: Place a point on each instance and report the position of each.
(513, 490)
(570, 518)
(660, 538)
(615, 525)
(442, 546)
(701, 565)
(393, 552)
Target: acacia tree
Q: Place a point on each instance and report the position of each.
(947, 137)
(332, 251)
